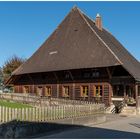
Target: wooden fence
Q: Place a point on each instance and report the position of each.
(49, 113)
(41, 101)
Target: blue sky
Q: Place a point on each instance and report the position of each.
(24, 26)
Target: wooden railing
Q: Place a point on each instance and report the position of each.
(49, 113)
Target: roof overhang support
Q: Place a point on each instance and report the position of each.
(30, 78)
(56, 77)
(71, 75)
(110, 72)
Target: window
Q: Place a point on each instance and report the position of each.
(26, 89)
(98, 90)
(84, 91)
(39, 91)
(95, 74)
(66, 91)
(86, 75)
(48, 91)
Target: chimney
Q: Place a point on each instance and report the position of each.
(98, 22)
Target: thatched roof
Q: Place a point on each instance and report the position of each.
(78, 43)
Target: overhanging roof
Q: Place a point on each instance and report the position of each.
(78, 43)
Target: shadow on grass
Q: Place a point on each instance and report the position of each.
(50, 130)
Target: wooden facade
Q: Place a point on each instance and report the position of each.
(75, 91)
(96, 85)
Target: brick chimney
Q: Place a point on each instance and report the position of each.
(98, 22)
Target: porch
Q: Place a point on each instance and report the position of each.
(129, 93)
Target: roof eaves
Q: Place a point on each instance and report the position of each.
(123, 64)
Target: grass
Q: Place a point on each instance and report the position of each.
(13, 104)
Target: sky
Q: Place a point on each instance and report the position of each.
(24, 26)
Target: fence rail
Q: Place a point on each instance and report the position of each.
(49, 113)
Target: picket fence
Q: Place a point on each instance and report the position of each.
(40, 101)
(49, 113)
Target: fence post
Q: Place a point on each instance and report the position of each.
(59, 113)
(75, 110)
(0, 114)
(40, 109)
(33, 114)
(43, 114)
(13, 114)
(16, 114)
(19, 114)
(53, 109)
(6, 114)
(22, 114)
(46, 113)
(9, 114)
(78, 114)
(63, 115)
(51, 113)
(37, 114)
(3, 113)
(30, 114)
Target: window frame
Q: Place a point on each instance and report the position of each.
(82, 94)
(38, 88)
(50, 94)
(63, 91)
(100, 88)
(25, 87)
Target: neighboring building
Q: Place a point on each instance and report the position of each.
(80, 60)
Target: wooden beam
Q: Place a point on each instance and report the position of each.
(55, 75)
(136, 95)
(124, 87)
(16, 78)
(109, 73)
(71, 75)
(112, 71)
(30, 78)
(73, 91)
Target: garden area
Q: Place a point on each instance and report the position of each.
(12, 104)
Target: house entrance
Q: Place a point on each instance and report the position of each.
(118, 91)
(121, 91)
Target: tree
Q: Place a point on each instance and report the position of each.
(1, 79)
(10, 65)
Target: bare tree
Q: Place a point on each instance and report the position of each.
(10, 65)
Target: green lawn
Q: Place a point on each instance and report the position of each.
(13, 104)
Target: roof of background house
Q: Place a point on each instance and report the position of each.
(78, 43)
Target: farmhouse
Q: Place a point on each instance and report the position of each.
(80, 60)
